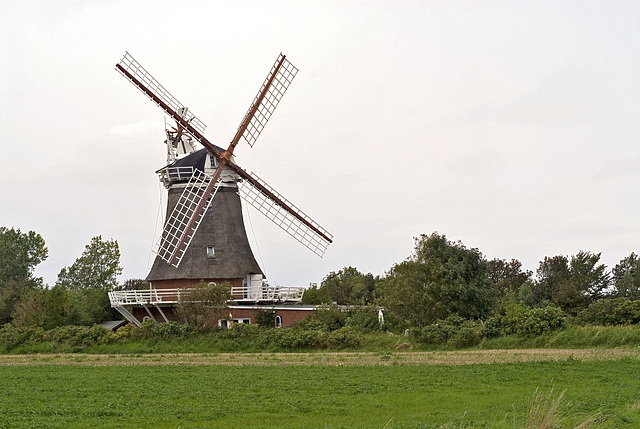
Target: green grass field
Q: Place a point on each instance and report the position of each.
(497, 395)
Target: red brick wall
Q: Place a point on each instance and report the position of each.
(289, 316)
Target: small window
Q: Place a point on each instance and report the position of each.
(278, 322)
(211, 252)
(212, 161)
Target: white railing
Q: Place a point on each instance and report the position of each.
(268, 293)
(172, 296)
(146, 297)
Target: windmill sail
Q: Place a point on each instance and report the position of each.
(267, 99)
(142, 79)
(284, 214)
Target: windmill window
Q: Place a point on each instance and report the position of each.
(212, 161)
(211, 252)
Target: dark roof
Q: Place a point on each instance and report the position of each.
(195, 159)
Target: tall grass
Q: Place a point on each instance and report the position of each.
(571, 337)
(545, 413)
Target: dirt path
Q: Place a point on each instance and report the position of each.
(322, 358)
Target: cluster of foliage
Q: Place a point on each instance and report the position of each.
(444, 280)
(330, 329)
(443, 293)
(204, 304)
(80, 294)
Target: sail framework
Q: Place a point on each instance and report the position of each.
(142, 79)
(279, 210)
(277, 82)
(186, 217)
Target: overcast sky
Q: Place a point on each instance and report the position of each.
(512, 126)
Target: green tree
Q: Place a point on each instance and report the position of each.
(626, 277)
(571, 283)
(551, 276)
(42, 307)
(349, 287)
(440, 279)
(89, 280)
(20, 253)
(590, 278)
(10, 295)
(97, 268)
(134, 284)
(508, 282)
(204, 304)
(507, 276)
(316, 295)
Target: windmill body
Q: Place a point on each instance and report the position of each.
(219, 250)
(204, 236)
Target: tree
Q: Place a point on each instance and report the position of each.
(507, 276)
(571, 283)
(42, 307)
(97, 267)
(89, 280)
(551, 275)
(590, 279)
(349, 287)
(204, 304)
(316, 295)
(20, 253)
(626, 277)
(134, 284)
(441, 278)
(10, 295)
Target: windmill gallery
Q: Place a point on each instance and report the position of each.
(204, 237)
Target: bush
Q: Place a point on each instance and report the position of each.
(619, 311)
(449, 330)
(469, 334)
(345, 338)
(364, 318)
(537, 321)
(436, 333)
(266, 318)
(62, 339)
(327, 319)
(492, 327)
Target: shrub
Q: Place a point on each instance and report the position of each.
(266, 318)
(443, 330)
(327, 319)
(363, 318)
(537, 321)
(492, 327)
(467, 335)
(619, 311)
(344, 338)
(436, 333)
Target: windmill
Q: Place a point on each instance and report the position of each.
(204, 190)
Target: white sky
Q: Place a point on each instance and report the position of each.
(512, 126)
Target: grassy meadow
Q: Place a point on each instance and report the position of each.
(108, 393)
